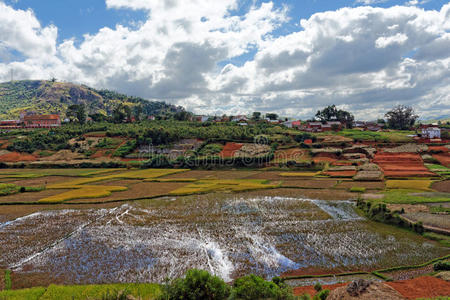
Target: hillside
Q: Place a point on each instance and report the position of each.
(55, 97)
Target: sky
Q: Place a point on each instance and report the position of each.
(233, 57)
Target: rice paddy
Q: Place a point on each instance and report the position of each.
(231, 223)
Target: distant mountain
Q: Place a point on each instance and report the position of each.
(55, 97)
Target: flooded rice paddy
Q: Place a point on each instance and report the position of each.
(228, 234)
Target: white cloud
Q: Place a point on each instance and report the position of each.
(398, 39)
(363, 58)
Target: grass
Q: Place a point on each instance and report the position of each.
(8, 282)
(423, 185)
(8, 189)
(442, 239)
(25, 294)
(81, 292)
(143, 291)
(402, 196)
(395, 136)
(299, 174)
(357, 189)
(230, 185)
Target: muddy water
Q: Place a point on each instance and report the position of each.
(229, 235)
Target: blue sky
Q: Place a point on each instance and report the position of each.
(363, 55)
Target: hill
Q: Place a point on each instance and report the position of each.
(55, 97)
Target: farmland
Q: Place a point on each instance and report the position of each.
(142, 225)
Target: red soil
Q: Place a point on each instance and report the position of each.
(443, 158)
(17, 157)
(341, 173)
(324, 159)
(99, 154)
(402, 165)
(298, 291)
(229, 149)
(422, 287)
(342, 163)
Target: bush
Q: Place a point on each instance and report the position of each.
(442, 266)
(318, 287)
(197, 284)
(322, 295)
(8, 282)
(356, 189)
(254, 287)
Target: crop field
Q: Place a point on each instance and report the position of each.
(228, 234)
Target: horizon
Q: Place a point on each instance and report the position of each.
(236, 57)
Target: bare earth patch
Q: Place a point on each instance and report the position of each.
(373, 185)
(442, 186)
(312, 183)
(30, 197)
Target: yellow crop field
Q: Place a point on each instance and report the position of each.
(299, 174)
(423, 185)
(148, 174)
(87, 191)
(212, 185)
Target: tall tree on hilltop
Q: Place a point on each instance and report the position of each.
(331, 113)
(401, 117)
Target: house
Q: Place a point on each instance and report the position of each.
(297, 124)
(201, 119)
(431, 131)
(239, 118)
(151, 118)
(41, 121)
(314, 126)
(9, 124)
(288, 124)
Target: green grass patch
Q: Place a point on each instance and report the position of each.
(414, 266)
(143, 291)
(357, 189)
(442, 239)
(401, 196)
(26, 294)
(439, 209)
(392, 136)
(8, 189)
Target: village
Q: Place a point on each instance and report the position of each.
(424, 132)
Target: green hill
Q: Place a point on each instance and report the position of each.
(55, 97)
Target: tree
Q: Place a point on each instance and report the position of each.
(256, 116)
(121, 112)
(401, 117)
(197, 284)
(182, 116)
(272, 116)
(331, 113)
(77, 112)
(254, 287)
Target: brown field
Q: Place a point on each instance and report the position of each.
(309, 183)
(428, 219)
(372, 185)
(294, 154)
(443, 158)
(139, 190)
(201, 174)
(268, 175)
(402, 165)
(442, 186)
(339, 174)
(38, 181)
(30, 197)
(305, 193)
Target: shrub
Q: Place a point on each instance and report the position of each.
(254, 287)
(442, 266)
(318, 287)
(8, 282)
(322, 295)
(197, 284)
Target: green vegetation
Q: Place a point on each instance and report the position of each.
(26, 294)
(371, 136)
(442, 239)
(8, 282)
(210, 150)
(197, 284)
(8, 189)
(56, 97)
(254, 287)
(356, 189)
(401, 196)
(401, 117)
(442, 266)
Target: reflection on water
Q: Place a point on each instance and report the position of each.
(229, 235)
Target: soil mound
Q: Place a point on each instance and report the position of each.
(366, 290)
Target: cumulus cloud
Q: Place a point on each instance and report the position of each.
(364, 59)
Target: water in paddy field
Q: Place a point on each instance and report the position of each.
(229, 235)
